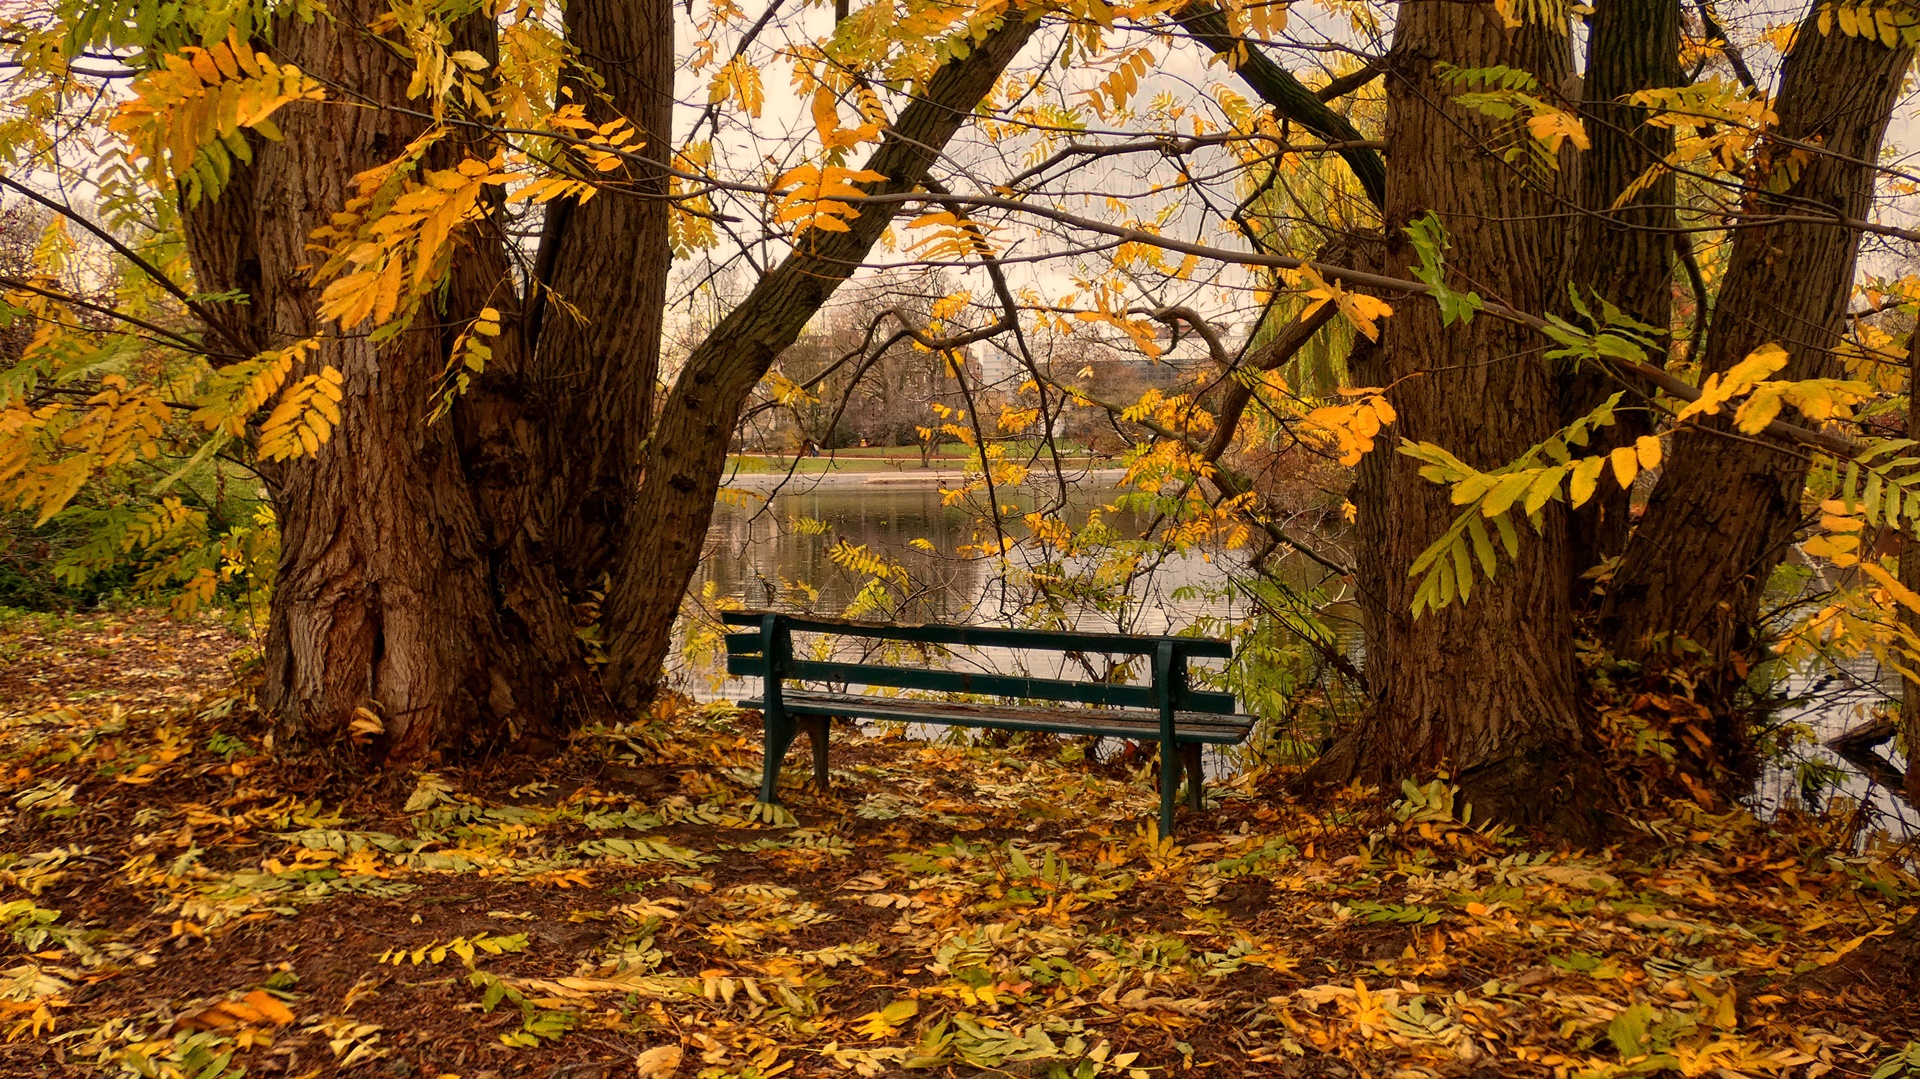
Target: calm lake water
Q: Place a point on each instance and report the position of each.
(774, 553)
(758, 553)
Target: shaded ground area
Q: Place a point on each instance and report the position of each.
(180, 903)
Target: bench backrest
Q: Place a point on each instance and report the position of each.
(747, 654)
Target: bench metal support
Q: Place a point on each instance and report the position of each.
(1196, 781)
(779, 726)
(1169, 749)
(816, 731)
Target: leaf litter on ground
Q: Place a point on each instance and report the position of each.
(181, 902)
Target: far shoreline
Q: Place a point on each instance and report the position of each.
(1078, 472)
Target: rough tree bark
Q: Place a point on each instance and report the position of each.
(667, 524)
(1485, 688)
(1622, 255)
(391, 592)
(1725, 511)
(609, 257)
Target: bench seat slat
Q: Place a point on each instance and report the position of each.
(1190, 727)
(997, 685)
(995, 637)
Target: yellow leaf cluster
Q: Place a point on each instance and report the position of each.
(1555, 126)
(186, 117)
(1359, 309)
(391, 243)
(1116, 89)
(119, 424)
(817, 197)
(1110, 311)
(826, 121)
(1015, 420)
(1891, 24)
(1717, 126)
(738, 80)
(1818, 399)
(232, 394)
(690, 226)
(468, 358)
(786, 391)
(955, 238)
(1627, 461)
(1352, 425)
(305, 417)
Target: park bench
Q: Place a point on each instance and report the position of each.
(1168, 710)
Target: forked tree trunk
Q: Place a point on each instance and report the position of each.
(594, 379)
(1727, 508)
(667, 524)
(1486, 687)
(1622, 256)
(428, 570)
(395, 591)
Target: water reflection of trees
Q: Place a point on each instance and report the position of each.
(777, 556)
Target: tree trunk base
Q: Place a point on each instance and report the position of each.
(1559, 791)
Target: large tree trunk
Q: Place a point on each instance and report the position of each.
(428, 569)
(1726, 510)
(1910, 576)
(399, 590)
(609, 256)
(667, 524)
(1623, 256)
(1485, 688)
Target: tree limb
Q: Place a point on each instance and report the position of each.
(1278, 88)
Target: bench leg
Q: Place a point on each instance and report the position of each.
(777, 738)
(1196, 782)
(1169, 788)
(816, 728)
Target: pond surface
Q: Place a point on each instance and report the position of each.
(758, 553)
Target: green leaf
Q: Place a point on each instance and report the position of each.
(1508, 537)
(1482, 545)
(1504, 493)
(1628, 1031)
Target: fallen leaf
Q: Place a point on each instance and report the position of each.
(660, 1062)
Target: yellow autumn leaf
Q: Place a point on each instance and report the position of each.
(1556, 127)
(1585, 477)
(1901, 594)
(1647, 449)
(1626, 465)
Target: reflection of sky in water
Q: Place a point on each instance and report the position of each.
(754, 554)
(1830, 704)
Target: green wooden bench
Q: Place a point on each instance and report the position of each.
(1168, 710)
